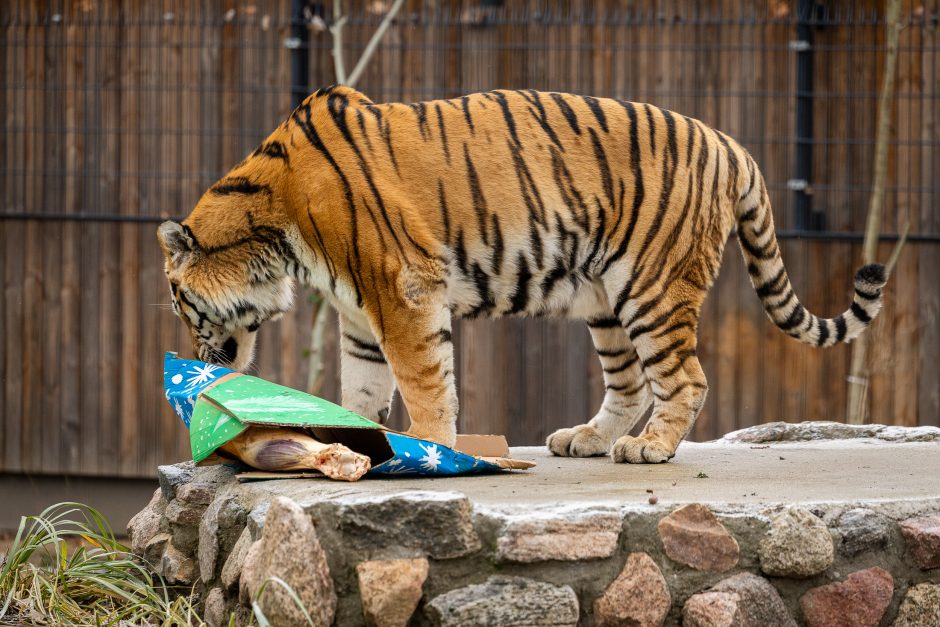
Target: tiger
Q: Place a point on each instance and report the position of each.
(502, 203)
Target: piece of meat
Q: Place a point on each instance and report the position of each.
(279, 449)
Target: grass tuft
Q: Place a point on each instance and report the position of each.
(98, 583)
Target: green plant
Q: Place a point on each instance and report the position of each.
(99, 583)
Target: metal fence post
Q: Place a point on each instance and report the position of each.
(804, 217)
(299, 43)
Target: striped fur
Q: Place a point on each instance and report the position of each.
(499, 203)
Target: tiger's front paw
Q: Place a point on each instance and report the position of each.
(580, 441)
(631, 450)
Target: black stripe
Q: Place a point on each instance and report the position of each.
(238, 185)
(567, 111)
(795, 319)
(539, 114)
(860, 313)
(479, 202)
(557, 273)
(823, 327)
(867, 295)
(660, 355)
(603, 166)
(652, 128)
(611, 353)
(603, 323)
(363, 345)
(530, 191)
(445, 212)
(626, 388)
(596, 109)
(440, 128)
(465, 103)
(482, 282)
(774, 286)
(378, 359)
(461, 252)
(497, 245)
(626, 364)
(639, 191)
(507, 115)
(421, 113)
(272, 150)
(841, 328)
(520, 298)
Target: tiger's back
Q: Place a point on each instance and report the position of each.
(519, 203)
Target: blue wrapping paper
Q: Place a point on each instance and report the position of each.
(185, 380)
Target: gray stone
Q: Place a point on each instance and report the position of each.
(184, 514)
(570, 537)
(290, 550)
(797, 544)
(415, 524)
(638, 596)
(503, 601)
(219, 529)
(825, 430)
(176, 567)
(862, 530)
(255, 520)
(215, 612)
(920, 607)
(146, 523)
(195, 493)
(154, 549)
(185, 537)
(744, 600)
(174, 475)
(232, 569)
(390, 590)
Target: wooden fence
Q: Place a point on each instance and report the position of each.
(119, 113)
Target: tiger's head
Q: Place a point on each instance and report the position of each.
(229, 265)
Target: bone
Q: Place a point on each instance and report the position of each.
(276, 449)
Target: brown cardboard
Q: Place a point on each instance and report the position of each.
(482, 445)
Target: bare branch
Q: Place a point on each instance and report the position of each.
(373, 43)
(339, 20)
(889, 267)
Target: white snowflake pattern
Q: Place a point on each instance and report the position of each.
(432, 459)
(200, 375)
(178, 408)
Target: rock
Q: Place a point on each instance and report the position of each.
(184, 514)
(638, 596)
(825, 430)
(923, 540)
(146, 523)
(416, 524)
(155, 548)
(390, 590)
(582, 536)
(232, 569)
(219, 529)
(859, 601)
(215, 613)
(862, 530)
(798, 544)
(506, 601)
(255, 520)
(289, 549)
(744, 600)
(177, 567)
(691, 535)
(196, 493)
(173, 476)
(920, 607)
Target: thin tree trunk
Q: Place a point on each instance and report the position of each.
(857, 406)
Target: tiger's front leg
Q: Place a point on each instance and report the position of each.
(367, 382)
(416, 341)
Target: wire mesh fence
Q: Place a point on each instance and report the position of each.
(118, 114)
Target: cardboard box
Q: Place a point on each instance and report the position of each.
(217, 404)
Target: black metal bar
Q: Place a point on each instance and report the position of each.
(300, 53)
(803, 166)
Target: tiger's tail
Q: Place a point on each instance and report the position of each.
(761, 252)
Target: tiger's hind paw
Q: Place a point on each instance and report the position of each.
(631, 450)
(580, 441)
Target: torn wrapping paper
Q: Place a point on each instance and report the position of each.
(218, 404)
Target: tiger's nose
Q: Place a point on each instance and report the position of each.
(230, 348)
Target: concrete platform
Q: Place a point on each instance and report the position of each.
(840, 471)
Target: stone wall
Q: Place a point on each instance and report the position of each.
(435, 558)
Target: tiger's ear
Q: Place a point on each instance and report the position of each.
(176, 240)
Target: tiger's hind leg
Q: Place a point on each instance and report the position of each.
(664, 336)
(626, 399)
